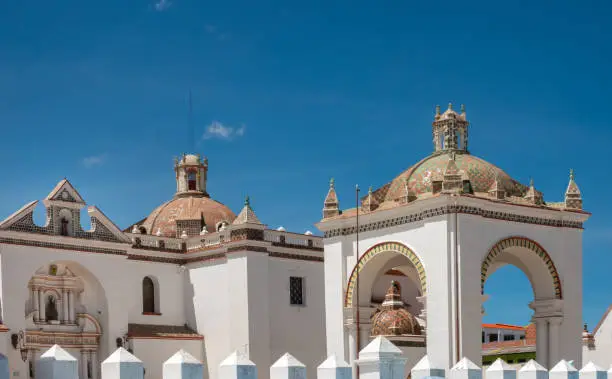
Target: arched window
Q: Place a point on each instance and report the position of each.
(148, 295)
(191, 180)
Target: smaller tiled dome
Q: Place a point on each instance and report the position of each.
(393, 319)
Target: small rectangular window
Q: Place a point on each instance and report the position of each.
(508, 337)
(296, 290)
(492, 337)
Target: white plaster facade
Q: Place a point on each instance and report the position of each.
(214, 292)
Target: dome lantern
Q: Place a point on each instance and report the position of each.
(191, 175)
(393, 319)
(450, 130)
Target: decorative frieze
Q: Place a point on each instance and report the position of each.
(448, 209)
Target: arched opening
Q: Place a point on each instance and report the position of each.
(391, 295)
(526, 302)
(191, 180)
(150, 296)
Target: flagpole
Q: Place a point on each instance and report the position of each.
(356, 296)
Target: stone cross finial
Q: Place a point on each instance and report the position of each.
(571, 174)
(331, 183)
(462, 108)
(247, 201)
(183, 365)
(288, 367)
(334, 368)
(450, 106)
(237, 366)
(122, 365)
(532, 370)
(424, 369)
(437, 110)
(501, 370)
(465, 369)
(57, 363)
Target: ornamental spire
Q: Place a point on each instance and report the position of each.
(330, 204)
(246, 215)
(370, 202)
(573, 196)
(533, 196)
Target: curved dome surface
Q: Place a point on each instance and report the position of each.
(164, 217)
(481, 174)
(394, 319)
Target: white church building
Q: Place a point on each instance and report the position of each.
(410, 263)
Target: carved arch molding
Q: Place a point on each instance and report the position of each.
(525, 243)
(394, 247)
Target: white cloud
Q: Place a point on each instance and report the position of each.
(94, 160)
(218, 130)
(162, 5)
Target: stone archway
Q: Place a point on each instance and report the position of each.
(535, 262)
(527, 244)
(394, 248)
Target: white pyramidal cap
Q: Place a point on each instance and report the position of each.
(182, 356)
(563, 366)
(333, 361)
(288, 360)
(423, 364)
(237, 359)
(121, 355)
(380, 345)
(591, 367)
(57, 353)
(532, 365)
(465, 364)
(500, 365)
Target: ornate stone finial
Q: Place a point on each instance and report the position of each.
(437, 110)
(531, 182)
(462, 108)
(450, 106)
(585, 327)
(532, 195)
(135, 229)
(573, 196)
(247, 201)
(370, 190)
(330, 204)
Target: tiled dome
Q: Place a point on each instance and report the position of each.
(394, 319)
(164, 217)
(481, 174)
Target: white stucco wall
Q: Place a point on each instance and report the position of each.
(299, 330)
(601, 354)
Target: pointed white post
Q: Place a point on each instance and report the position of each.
(122, 365)
(57, 363)
(334, 368)
(381, 359)
(592, 371)
(533, 370)
(237, 366)
(563, 370)
(183, 365)
(465, 369)
(287, 367)
(423, 369)
(4, 368)
(501, 370)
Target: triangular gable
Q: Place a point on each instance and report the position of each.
(97, 215)
(64, 191)
(25, 211)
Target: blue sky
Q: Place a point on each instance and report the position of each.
(303, 91)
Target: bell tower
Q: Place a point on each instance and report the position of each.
(191, 174)
(450, 130)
